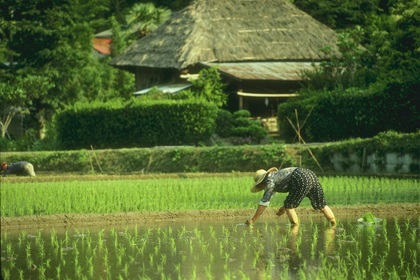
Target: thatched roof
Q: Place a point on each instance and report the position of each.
(268, 71)
(231, 31)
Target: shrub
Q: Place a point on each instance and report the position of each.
(224, 123)
(343, 114)
(136, 124)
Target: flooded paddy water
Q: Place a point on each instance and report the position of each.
(217, 249)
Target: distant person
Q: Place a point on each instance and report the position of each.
(20, 168)
(298, 183)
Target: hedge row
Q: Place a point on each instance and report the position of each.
(215, 159)
(142, 124)
(156, 160)
(338, 115)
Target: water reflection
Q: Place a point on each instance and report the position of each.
(219, 249)
(292, 249)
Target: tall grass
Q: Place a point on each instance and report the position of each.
(46, 198)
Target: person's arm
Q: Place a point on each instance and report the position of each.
(281, 211)
(291, 214)
(4, 172)
(260, 210)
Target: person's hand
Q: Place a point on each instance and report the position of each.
(249, 222)
(281, 211)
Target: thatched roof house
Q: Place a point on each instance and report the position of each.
(261, 37)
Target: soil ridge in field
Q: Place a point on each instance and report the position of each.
(400, 210)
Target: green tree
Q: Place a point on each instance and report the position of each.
(341, 14)
(143, 19)
(341, 71)
(208, 86)
(18, 96)
(53, 39)
(400, 47)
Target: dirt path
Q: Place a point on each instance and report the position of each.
(63, 220)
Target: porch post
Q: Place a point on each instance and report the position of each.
(241, 102)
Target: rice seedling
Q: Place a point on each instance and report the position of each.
(181, 194)
(268, 250)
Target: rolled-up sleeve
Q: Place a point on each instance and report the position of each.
(264, 203)
(268, 193)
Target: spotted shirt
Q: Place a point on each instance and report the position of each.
(299, 183)
(276, 182)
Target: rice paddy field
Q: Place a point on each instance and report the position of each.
(151, 239)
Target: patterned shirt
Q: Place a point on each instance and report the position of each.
(276, 182)
(20, 168)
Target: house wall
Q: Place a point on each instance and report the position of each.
(259, 106)
(374, 163)
(149, 77)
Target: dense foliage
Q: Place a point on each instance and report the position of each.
(341, 114)
(49, 43)
(239, 127)
(373, 86)
(48, 62)
(136, 124)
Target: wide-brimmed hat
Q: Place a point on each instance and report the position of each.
(259, 177)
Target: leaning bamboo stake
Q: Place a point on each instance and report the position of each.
(91, 164)
(300, 138)
(304, 143)
(304, 122)
(96, 159)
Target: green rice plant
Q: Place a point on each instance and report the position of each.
(208, 272)
(177, 268)
(125, 271)
(41, 272)
(413, 234)
(407, 224)
(414, 256)
(397, 229)
(100, 240)
(21, 238)
(21, 274)
(194, 272)
(368, 218)
(268, 250)
(46, 198)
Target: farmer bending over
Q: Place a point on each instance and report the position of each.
(20, 168)
(298, 182)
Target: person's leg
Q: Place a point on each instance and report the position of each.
(299, 188)
(317, 198)
(291, 213)
(329, 215)
(281, 211)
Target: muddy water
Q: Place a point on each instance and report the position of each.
(223, 249)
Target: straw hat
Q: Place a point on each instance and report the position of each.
(259, 176)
